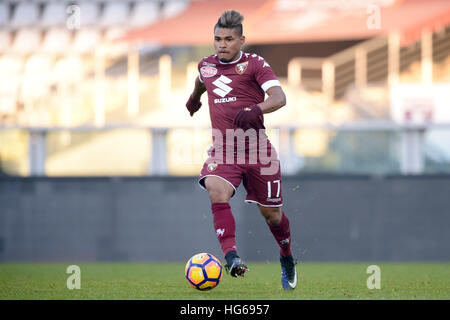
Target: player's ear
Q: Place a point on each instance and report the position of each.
(242, 40)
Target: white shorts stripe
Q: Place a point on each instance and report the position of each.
(214, 175)
(263, 205)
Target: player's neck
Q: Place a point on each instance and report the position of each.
(234, 59)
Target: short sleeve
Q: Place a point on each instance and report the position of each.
(199, 73)
(264, 74)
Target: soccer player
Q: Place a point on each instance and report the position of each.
(236, 83)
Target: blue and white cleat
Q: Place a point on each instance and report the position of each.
(288, 273)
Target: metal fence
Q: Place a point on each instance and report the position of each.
(378, 147)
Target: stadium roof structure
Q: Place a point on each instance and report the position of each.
(289, 21)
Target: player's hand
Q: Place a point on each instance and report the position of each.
(249, 117)
(193, 105)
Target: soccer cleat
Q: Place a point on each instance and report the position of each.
(288, 272)
(235, 267)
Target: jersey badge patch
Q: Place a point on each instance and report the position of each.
(212, 166)
(241, 67)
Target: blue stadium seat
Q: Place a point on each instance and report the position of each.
(4, 14)
(144, 13)
(90, 12)
(173, 7)
(25, 14)
(114, 13)
(54, 14)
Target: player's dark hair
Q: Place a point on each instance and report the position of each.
(231, 19)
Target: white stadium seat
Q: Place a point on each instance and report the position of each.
(57, 40)
(5, 40)
(36, 76)
(86, 39)
(25, 14)
(27, 40)
(113, 33)
(69, 68)
(11, 64)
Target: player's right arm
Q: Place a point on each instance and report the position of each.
(193, 104)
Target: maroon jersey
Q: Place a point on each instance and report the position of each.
(234, 85)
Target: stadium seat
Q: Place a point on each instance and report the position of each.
(27, 40)
(68, 68)
(114, 32)
(10, 81)
(115, 48)
(86, 39)
(90, 12)
(57, 40)
(4, 14)
(36, 76)
(5, 40)
(144, 13)
(54, 14)
(11, 64)
(173, 7)
(114, 13)
(25, 14)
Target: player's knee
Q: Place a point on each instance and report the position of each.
(216, 196)
(219, 191)
(272, 215)
(275, 219)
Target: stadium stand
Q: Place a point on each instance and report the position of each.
(50, 71)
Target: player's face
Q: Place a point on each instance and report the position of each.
(227, 44)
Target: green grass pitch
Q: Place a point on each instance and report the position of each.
(166, 281)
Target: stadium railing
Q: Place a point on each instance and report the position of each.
(360, 143)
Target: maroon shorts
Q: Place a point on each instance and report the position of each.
(261, 181)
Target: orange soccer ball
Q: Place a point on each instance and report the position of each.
(203, 271)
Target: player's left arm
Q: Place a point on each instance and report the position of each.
(275, 101)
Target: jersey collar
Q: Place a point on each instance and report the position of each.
(240, 56)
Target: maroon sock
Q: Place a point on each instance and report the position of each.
(282, 234)
(224, 226)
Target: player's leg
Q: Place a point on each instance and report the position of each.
(220, 191)
(278, 224)
(264, 188)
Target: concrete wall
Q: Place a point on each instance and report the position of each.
(333, 218)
